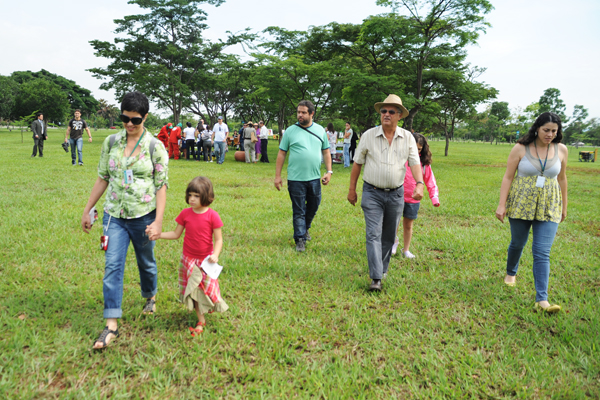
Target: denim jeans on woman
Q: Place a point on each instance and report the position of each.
(79, 144)
(346, 155)
(543, 237)
(120, 232)
(306, 197)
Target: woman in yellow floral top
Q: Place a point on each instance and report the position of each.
(536, 198)
(135, 180)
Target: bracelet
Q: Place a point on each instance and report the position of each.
(422, 183)
(330, 172)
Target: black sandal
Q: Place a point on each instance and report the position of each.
(103, 336)
(149, 307)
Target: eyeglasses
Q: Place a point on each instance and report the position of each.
(134, 120)
(384, 111)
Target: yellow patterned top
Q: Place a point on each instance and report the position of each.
(529, 202)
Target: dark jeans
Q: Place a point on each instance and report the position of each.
(264, 157)
(306, 197)
(190, 148)
(206, 146)
(38, 144)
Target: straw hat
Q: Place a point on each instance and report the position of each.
(393, 100)
(249, 123)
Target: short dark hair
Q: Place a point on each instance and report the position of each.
(543, 119)
(308, 104)
(77, 110)
(203, 186)
(135, 102)
(37, 114)
(189, 124)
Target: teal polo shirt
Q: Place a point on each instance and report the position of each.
(305, 150)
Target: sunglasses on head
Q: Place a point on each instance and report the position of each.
(134, 120)
(384, 111)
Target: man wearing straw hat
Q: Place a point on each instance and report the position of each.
(383, 151)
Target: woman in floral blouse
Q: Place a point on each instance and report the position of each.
(135, 181)
(535, 199)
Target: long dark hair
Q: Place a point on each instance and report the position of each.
(330, 127)
(542, 120)
(425, 154)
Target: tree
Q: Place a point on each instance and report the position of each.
(108, 112)
(442, 29)
(8, 96)
(162, 53)
(577, 127)
(78, 97)
(550, 102)
(44, 96)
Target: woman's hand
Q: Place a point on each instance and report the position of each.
(501, 213)
(563, 216)
(86, 222)
(154, 230)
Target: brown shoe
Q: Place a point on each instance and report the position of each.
(375, 285)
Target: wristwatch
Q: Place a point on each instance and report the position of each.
(330, 172)
(422, 183)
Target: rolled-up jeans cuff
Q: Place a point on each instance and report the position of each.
(148, 295)
(113, 313)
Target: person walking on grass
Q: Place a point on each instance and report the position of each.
(347, 141)
(306, 143)
(39, 134)
(219, 139)
(384, 151)
(264, 141)
(535, 199)
(133, 171)
(74, 136)
(411, 206)
(202, 225)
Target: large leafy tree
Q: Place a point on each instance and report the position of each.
(9, 89)
(78, 97)
(162, 52)
(44, 96)
(577, 126)
(440, 31)
(550, 101)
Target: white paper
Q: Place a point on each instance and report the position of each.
(212, 269)
(540, 181)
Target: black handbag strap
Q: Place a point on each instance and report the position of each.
(307, 130)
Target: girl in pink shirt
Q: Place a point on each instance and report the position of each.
(411, 206)
(202, 225)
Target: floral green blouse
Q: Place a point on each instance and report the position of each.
(138, 198)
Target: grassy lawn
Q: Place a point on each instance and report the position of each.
(300, 325)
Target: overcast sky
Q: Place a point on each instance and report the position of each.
(532, 44)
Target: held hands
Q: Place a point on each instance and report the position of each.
(501, 213)
(154, 230)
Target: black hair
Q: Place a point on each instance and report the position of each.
(542, 120)
(189, 124)
(203, 186)
(308, 104)
(135, 102)
(37, 114)
(330, 127)
(425, 154)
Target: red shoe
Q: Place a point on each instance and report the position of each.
(198, 329)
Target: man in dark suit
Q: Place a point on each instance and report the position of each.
(39, 134)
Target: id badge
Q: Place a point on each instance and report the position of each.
(128, 176)
(540, 181)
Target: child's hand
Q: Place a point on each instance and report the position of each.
(213, 258)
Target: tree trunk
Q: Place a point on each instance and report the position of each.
(447, 141)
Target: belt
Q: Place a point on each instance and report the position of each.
(384, 189)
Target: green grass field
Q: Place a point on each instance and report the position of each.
(300, 325)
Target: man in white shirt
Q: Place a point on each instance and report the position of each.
(264, 141)
(220, 134)
(383, 151)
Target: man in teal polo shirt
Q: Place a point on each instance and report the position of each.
(305, 141)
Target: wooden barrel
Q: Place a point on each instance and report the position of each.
(240, 156)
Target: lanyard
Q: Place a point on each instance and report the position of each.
(136, 145)
(539, 159)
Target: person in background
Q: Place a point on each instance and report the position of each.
(39, 134)
(164, 133)
(190, 140)
(535, 199)
(264, 141)
(174, 139)
(219, 138)
(332, 137)
(74, 136)
(347, 141)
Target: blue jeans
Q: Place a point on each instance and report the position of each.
(220, 148)
(79, 144)
(543, 237)
(306, 197)
(346, 155)
(120, 232)
(382, 214)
